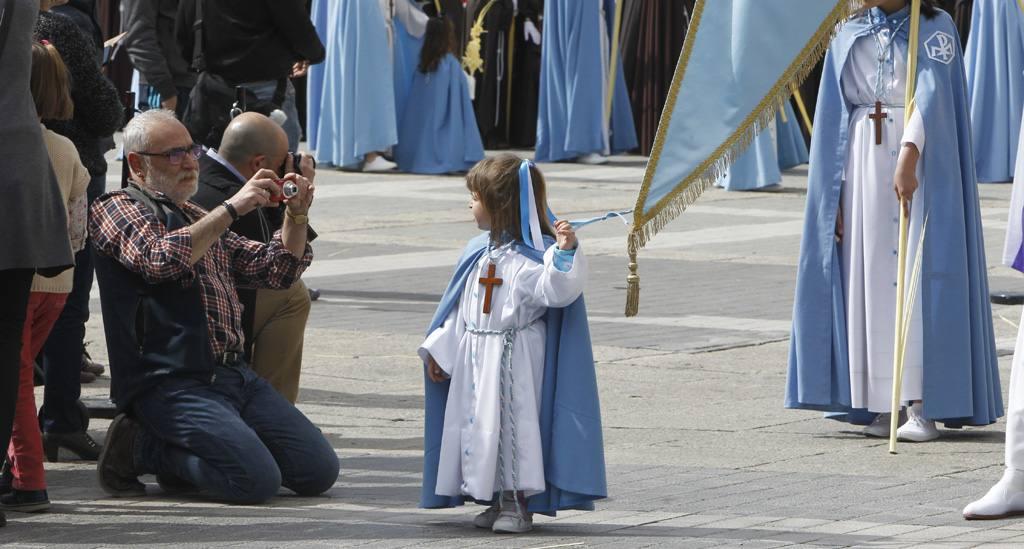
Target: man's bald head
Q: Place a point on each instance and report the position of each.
(253, 141)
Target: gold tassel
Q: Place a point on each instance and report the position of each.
(632, 285)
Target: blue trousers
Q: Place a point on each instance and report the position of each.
(62, 353)
(236, 439)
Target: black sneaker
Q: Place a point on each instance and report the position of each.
(26, 501)
(80, 444)
(6, 477)
(116, 467)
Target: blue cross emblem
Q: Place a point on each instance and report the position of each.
(939, 47)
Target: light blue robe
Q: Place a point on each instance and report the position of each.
(351, 109)
(756, 168)
(790, 140)
(961, 371)
(570, 416)
(407, 57)
(439, 133)
(995, 83)
(570, 119)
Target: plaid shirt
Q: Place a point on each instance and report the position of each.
(128, 231)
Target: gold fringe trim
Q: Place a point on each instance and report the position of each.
(647, 224)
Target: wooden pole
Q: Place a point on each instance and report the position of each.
(900, 344)
(802, 107)
(613, 65)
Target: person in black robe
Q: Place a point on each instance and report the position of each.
(651, 38)
(960, 10)
(522, 118)
(490, 96)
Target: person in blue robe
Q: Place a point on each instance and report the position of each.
(351, 101)
(790, 139)
(409, 24)
(571, 122)
(438, 131)
(960, 376)
(756, 168)
(995, 85)
(569, 418)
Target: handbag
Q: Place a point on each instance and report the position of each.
(214, 101)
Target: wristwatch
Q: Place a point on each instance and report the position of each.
(300, 219)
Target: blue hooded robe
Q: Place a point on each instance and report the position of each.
(792, 148)
(995, 84)
(439, 133)
(570, 117)
(756, 168)
(351, 110)
(570, 416)
(407, 57)
(961, 375)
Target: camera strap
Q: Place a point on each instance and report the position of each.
(198, 47)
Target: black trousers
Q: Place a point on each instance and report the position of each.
(15, 285)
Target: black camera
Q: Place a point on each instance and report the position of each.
(296, 161)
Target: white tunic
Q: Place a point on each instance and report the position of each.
(472, 423)
(871, 227)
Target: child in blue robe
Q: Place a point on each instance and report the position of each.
(438, 131)
(509, 345)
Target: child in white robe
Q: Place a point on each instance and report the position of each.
(492, 347)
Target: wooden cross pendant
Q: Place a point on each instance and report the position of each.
(489, 281)
(877, 118)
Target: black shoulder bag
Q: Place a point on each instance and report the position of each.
(214, 101)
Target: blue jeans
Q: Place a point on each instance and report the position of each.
(62, 353)
(265, 91)
(236, 439)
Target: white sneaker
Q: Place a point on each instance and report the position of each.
(879, 427)
(1005, 499)
(592, 159)
(512, 521)
(487, 518)
(379, 164)
(917, 428)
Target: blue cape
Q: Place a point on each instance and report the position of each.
(407, 57)
(792, 148)
(570, 416)
(439, 133)
(570, 116)
(995, 84)
(351, 110)
(961, 376)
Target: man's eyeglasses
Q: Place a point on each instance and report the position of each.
(177, 155)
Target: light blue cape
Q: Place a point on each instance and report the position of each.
(756, 168)
(995, 84)
(351, 110)
(961, 376)
(439, 133)
(570, 116)
(570, 417)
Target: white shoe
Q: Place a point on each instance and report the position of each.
(488, 517)
(513, 521)
(879, 427)
(592, 159)
(917, 428)
(1005, 499)
(379, 164)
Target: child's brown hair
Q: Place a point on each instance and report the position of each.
(496, 181)
(51, 85)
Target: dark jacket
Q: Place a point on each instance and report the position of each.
(98, 111)
(251, 40)
(152, 47)
(152, 330)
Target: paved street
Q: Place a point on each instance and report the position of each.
(700, 451)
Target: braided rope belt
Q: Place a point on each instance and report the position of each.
(507, 400)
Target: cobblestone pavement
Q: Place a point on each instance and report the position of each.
(700, 452)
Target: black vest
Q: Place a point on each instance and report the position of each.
(153, 331)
